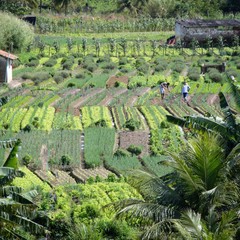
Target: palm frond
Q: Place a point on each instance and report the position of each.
(176, 120)
(7, 190)
(233, 157)
(190, 180)
(7, 174)
(205, 156)
(26, 223)
(190, 225)
(229, 118)
(153, 188)
(227, 222)
(160, 230)
(147, 211)
(235, 91)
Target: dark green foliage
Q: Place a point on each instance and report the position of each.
(122, 153)
(12, 160)
(193, 74)
(65, 160)
(165, 124)
(135, 150)
(32, 63)
(58, 79)
(161, 67)
(118, 230)
(132, 124)
(70, 85)
(177, 67)
(27, 128)
(40, 76)
(117, 84)
(215, 75)
(27, 159)
(59, 229)
(109, 66)
(50, 63)
(16, 63)
(27, 76)
(100, 123)
(91, 67)
(80, 75)
(123, 61)
(67, 63)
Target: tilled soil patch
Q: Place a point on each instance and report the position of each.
(137, 138)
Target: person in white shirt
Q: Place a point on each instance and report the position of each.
(185, 90)
(162, 90)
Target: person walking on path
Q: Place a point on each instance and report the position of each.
(185, 90)
(162, 90)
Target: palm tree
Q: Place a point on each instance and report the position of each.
(199, 183)
(17, 209)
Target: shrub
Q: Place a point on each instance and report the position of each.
(16, 63)
(91, 67)
(122, 153)
(132, 124)
(50, 63)
(101, 123)
(67, 65)
(27, 159)
(64, 74)
(40, 104)
(15, 31)
(114, 229)
(215, 76)
(164, 124)
(71, 85)
(80, 75)
(33, 63)
(40, 76)
(27, 128)
(65, 160)
(124, 70)
(58, 79)
(161, 67)
(193, 76)
(123, 61)
(27, 76)
(143, 69)
(135, 150)
(109, 65)
(177, 67)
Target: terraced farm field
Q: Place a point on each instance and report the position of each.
(91, 115)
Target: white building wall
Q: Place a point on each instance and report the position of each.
(9, 71)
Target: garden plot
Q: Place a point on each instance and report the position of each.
(136, 138)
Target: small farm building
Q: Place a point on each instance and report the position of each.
(186, 30)
(6, 62)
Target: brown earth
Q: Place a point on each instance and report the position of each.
(111, 81)
(137, 138)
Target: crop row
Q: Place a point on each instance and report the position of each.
(99, 144)
(123, 114)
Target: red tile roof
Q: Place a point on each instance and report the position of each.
(7, 55)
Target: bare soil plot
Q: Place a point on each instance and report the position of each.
(112, 80)
(137, 138)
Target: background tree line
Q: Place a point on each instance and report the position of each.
(153, 8)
